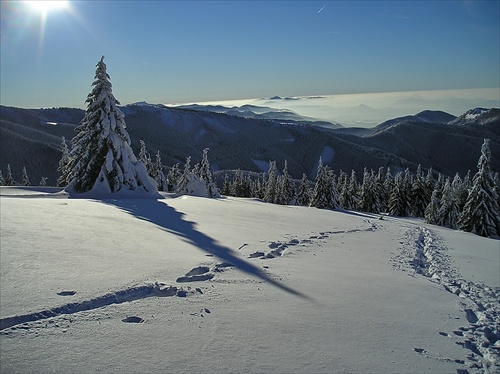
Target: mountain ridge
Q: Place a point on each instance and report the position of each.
(32, 138)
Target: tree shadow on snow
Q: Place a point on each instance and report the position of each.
(170, 220)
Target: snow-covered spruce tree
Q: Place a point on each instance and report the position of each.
(159, 176)
(183, 180)
(449, 212)
(366, 201)
(464, 191)
(481, 214)
(432, 211)
(271, 183)
(2, 179)
(399, 197)
(173, 176)
(43, 182)
(63, 168)
(304, 193)
(205, 174)
(419, 198)
(324, 196)
(9, 179)
(286, 187)
(101, 159)
(240, 187)
(226, 186)
(350, 196)
(145, 157)
(25, 179)
(380, 192)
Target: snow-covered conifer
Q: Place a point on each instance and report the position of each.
(399, 197)
(101, 160)
(432, 210)
(63, 168)
(324, 196)
(9, 179)
(205, 174)
(379, 191)
(146, 159)
(352, 192)
(419, 200)
(449, 211)
(241, 185)
(159, 176)
(304, 193)
(366, 201)
(173, 176)
(43, 182)
(481, 213)
(25, 179)
(271, 183)
(2, 179)
(184, 177)
(226, 186)
(286, 187)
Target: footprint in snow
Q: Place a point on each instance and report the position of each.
(133, 319)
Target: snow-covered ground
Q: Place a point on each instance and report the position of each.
(191, 285)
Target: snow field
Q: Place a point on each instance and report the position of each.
(340, 292)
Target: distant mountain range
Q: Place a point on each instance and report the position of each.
(248, 137)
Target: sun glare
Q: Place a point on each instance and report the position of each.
(48, 6)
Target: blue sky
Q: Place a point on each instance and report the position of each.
(174, 52)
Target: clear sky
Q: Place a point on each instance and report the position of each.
(174, 52)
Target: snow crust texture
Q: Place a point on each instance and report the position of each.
(256, 288)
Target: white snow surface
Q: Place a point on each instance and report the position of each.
(197, 285)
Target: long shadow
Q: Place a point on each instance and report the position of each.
(170, 220)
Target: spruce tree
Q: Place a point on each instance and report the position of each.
(324, 196)
(2, 179)
(271, 188)
(173, 176)
(184, 177)
(419, 200)
(449, 212)
(9, 179)
(380, 192)
(63, 168)
(286, 187)
(43, 182)
(432, 210)
(304, 194)
(226, 186)
(481, 214)
(25, 179)
(399, 198)
(101, 159)
(352, 192)
(146, 159)
(205, 174)
(366, 201)
(158, 175)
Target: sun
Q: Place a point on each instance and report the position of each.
(44, 7)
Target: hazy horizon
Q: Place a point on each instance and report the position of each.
(371, 109)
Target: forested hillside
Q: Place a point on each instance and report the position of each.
(31, 138)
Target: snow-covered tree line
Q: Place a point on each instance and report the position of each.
(9, 179)
(457, 203)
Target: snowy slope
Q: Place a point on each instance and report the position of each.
(236, 285)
